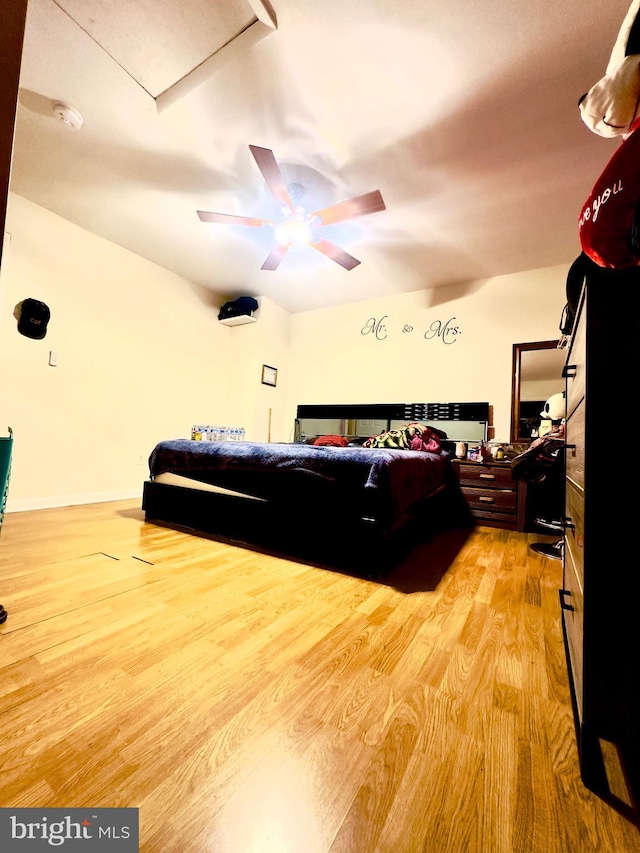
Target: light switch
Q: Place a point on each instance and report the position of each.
(53, 358)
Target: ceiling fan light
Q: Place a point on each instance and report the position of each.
(293, 233)
(295, 226)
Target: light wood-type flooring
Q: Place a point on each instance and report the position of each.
(248, 703)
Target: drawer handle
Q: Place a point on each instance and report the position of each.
(564, 605)
(487, 476)
(569, 371)
(568, 523)
(486, 500)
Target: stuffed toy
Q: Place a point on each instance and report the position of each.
(609, 224)
(555, 409)
(610, 107)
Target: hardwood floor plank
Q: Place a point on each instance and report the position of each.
(365, 819)
(530, 628)
(434, 808)
(538, 812)
(500, 776)
(89, 579)
(420, 800)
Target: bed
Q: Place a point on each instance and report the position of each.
(345, 506)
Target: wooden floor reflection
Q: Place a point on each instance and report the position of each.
(246, 702)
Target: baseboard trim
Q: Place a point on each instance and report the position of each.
(27, 504)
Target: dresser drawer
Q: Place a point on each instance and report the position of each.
(498, 500)
(574, 532)
(575, 446)
(490, 492)
(573, 619)
(492, 518)
(487, 476)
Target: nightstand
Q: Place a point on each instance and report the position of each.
(492, 495)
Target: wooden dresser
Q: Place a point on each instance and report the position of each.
(491, 493)
(600, 597)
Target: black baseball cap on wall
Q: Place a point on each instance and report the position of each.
(34, 316)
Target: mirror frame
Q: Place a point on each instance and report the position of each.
(518, 349)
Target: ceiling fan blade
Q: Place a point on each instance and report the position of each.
(273, 261)
(336, 254)
(230, 219)
(271, 173)
(359, 206)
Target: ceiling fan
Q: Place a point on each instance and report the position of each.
(294, 226)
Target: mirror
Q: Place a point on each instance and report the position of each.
(537, 374)
(358, 429)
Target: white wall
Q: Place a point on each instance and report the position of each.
(261, 408)
(341, 358)
(141, 356)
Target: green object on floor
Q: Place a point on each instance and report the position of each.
(6, 446)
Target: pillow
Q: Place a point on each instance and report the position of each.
(330, 441)
(607, 221)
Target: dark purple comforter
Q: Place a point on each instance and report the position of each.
(388, 480)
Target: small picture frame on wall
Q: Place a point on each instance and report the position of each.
(269, 375)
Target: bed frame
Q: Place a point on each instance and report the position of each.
(329, 532)
(334, 537)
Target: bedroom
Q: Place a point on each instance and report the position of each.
(141, 354)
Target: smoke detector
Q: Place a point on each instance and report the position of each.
(68, 115)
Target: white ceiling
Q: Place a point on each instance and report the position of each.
(463, 114)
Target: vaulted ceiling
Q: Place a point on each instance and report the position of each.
(463, 114)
